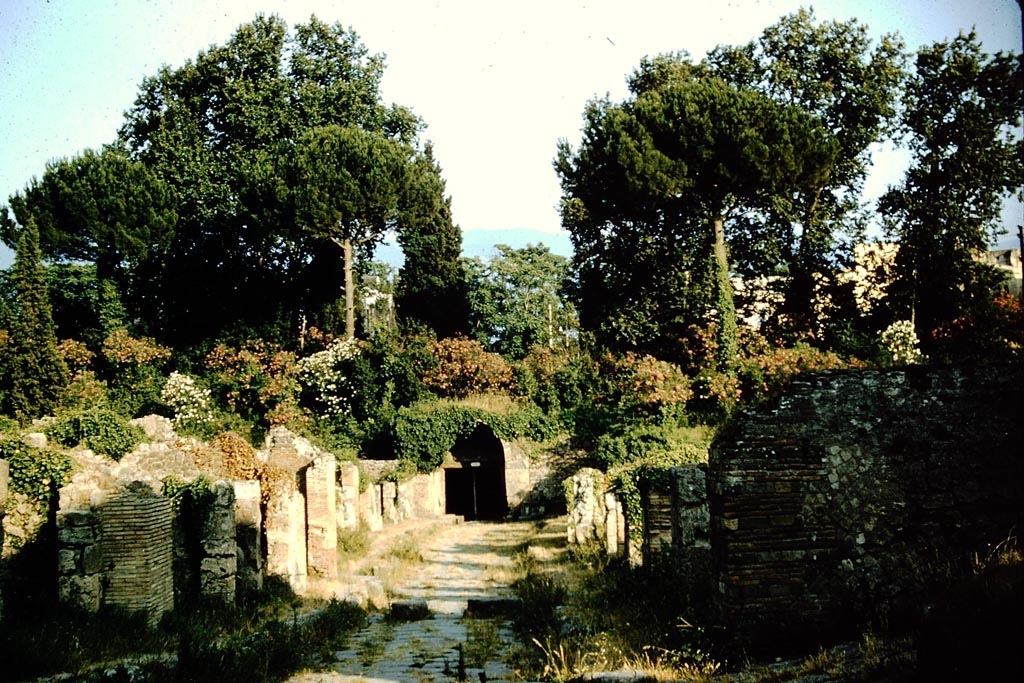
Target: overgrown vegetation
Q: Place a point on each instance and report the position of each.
(138, 290)
(249, 643)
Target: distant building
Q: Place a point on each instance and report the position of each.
(1008, 261)
(873, 268)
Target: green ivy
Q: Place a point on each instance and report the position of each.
(103, 431)
(35, 472)
(653, 473)
(425, 432)
(185, 494)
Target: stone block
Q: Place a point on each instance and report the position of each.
(216, 568)
(77, 518)
(35, 439)
(92, 558)
(219, 547)
(410, 610)
(77, 535)
(84, 592)
(67, 561)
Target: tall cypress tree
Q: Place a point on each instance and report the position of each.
(36, 372)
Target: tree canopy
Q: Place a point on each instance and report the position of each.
(518, 302)
(961, 107)
(645, 196)
(278, 148)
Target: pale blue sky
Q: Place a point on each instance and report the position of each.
(497, 83)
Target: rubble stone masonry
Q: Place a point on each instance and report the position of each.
(831, 504)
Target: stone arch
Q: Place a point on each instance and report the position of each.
(475, 476)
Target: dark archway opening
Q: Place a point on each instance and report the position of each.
(475, 481)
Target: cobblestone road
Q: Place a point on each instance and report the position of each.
(461, 562)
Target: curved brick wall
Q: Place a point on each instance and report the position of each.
(831, 504)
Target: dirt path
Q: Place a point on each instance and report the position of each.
(461, 562)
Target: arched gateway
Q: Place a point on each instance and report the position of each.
(474, 476)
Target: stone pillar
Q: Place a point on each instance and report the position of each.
(585, 503)
(691, 531)
(613, 510)
(79, 560)
(219, 564)
(321, 517)
(248, 536)
(656, 505)
(286, 538)
(348, 496)
(137, 551)
(370, 507)
(388, 500)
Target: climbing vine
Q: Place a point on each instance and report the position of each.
(425, 432)
(35, 472)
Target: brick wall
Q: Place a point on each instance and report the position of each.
(831, 504)
(137, 551)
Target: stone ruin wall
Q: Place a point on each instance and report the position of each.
(830, 505)
(115, 540)
(825, 509)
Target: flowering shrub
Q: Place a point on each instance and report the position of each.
(76, 355)
(255, 380)
(643, 386)
(991, 333)
(901, 342)
(190, 402)
(133, 372)
(464, 368)
(715, 394)
(120, 348)
(85, 388)
(324, 376)
(763, 374)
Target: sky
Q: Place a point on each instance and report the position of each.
(497, 83)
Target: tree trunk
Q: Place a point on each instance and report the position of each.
(350, 291)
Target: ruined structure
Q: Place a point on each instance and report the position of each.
(831, 505)
(274, 512)
(834, 506)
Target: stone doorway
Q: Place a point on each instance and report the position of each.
(474, 478)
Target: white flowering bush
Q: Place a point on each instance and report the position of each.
(901, 342)
(324, 376)
(190, 402)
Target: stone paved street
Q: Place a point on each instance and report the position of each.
(470, 561)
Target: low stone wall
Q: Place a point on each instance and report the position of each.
(832, 505)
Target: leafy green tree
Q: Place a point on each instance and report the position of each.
(431, 281)
(35, 373)
(833, 72)
(222, 130)
(518, 302)
(961, 106)
(347, 186)
(647, 195)
(99, 207)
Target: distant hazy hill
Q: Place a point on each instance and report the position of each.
(481, 243)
